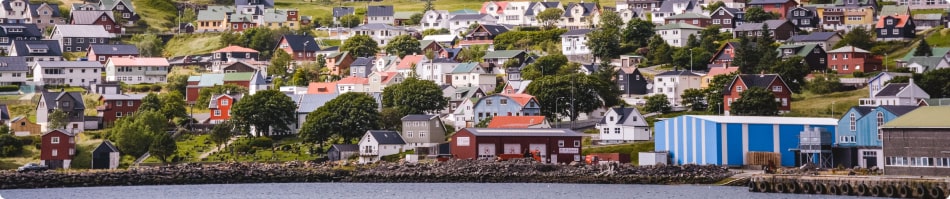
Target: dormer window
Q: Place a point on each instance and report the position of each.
(103, 18)
(119, 7)
(890, 21)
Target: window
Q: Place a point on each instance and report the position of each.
(422, 134)
(739, 89)
(130, 103)
(503, 101)
(896, 31)
(784, 101)
(880, 119)
(224, 102)
(889, 21)
(488, 102)
(776, 88)
(118, 114)
(560, 143)
(217, 112)
(577, 143)
(606, 130)
(727, 21)
(616, 130)
(54, 140)
(853, 122)
(55, 152)
(409, 134)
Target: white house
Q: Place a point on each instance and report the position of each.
(137, 70)
(621, 125)
(676, 34)
(471, 74)
(72, 73)
(514, 13)
(458, 24)
(906, 94)
(376, 144)
(574, 42)
(675, 7)
(924, 64)
(673, 83)
(435, 19)
(631, 13)
(880, 80)
(380, 14)
(494, 9)
(436, 70)
(13, 70)
(381, 33)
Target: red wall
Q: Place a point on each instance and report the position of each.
(786, 93)
(868, 62)
(108, 114)
(223, 108)
(62, 149)
(551, 142)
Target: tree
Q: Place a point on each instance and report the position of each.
(603, 41)
(221, 133)
(4, 129)
(550, 17)
(484, 122)
(637, 32)
(403, 45)
(657, 103)
(163, 146)
(936, 82)
(360, 46)
(692, 41)
(710, 36)
(149, 45)
(134, 135)
(204, 95)
(268, 111)
(691, 58)
(177, 82)
(348, 116)
(660, 51)
(414, 19)
(429, 6)
(390, 119)
(714, 6)
(414, 96)
(473, 53)
(556, 94)
(300, 77)
(440, 31)
(150, 103)
(758, 15)
(746, 57)
(350, 21)
(766, 50)
(608, 90)
(9, 145)
(279, 64)
(58, 119)
(694, 99)
(714, 93)
(755, 101)
(824, 84)
(544, 66)
(859, 37)
(793, 70)
(173, 105)
(923, 49)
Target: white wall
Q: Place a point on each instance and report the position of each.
(70, 76)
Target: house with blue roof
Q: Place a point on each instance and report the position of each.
(858, 139)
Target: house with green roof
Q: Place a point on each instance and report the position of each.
(915, 144)
(252, 81)
(813, 55)
(676, 34)
(920, 64)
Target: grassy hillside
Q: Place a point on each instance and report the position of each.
(318, 9)
(191, 44)
(159, 14)
(811, 105)
(940, 37)
(632, 149)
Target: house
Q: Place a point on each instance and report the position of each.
(912, 143)
(633, 13)
(928, 21)
(407, 63)
(380, 14)
(728, 18)
(780, 30)
(903, 94)
(729, 140)
(848, 59)
(247, 66)
(574, 42)
(579, 15)
(460, 106)
(377, 143)
(674, 7)
(813, 55)
(676, 34)
(102, 52)
(381, 33)
(22, 126)
(106, 156)
(352, 84)
(432, 46)
(339, 12)
(713, 72)
(724, 56)
(642, 4)
(339, 152)
(496, 9)
(506, 105)
(876, 83)
(496, 60)
(824, 39)
(896, 27)
(471, 74)
(220, 106)
(58, 148)
(518, 122)
(459, 24)
(116, 106)
(514, 13)
(77, 38)
(631, 82)
(622, 125)
(307, 103)
(262, 3)
(13, 71)
(484, 34)
(858, 142)
(445, 40)
(72, 73)
(123, 8)
(234, 53)
(361, 67)
(935, 52)
(69, 102)
(103, 18)
(696, 19)
(846, 15)
(252, 81)
(14, 32)
(560, 146)
(10, 10)
(531, 14)
(300, 47)
(38, 50)
(780, 7)
(516, 86)
(213, 18)
(422, 131)
(887, 10)
(380, 80)
(924, 64)
(438, 70)
(769, 82)
(673, 83)
(806, 18)
(339, 62)
(922, 5)
(137, 70)
(44, 15)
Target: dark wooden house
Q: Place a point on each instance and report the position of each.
(896, 27)
(631, 82)
(106, 156)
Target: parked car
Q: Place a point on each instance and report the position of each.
(28, 167)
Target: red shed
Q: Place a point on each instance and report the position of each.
(554, 145)
(57, 149)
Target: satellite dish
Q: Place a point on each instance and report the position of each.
(649, 86)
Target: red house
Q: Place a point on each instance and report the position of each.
(300, 47)
(553, 145)
(724, 56)
(104, 18)
(849, 59)
(770, 82)
(220, 106)
(779, 7)
(57, 149)
(115, 106)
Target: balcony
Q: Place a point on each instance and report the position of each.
(156, 72)
(369, 153)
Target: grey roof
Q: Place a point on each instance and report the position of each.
(523, 132)
(386, 137)
(928, 16)
(588, 9)
(677, 73)
(85, 17)
(22, 47)
(214, 98)
(467, 17)
(82, 31)
(307, 103)
(346, 147)
(377, 26)
(667, 6)
(576, 32)
(108, 146)
(928, 63)
(123, 96)
(342, 11)
(863, 110)
(495, 29)
(891, 89)
(758, 26)
(898, 110)
(814, 36)
(592, 67)
(68, 64)
(13, 64)
(415, 117)
(268, 3)
(379, 11)
(758, 80)
(362, 61)
(55, 8)
(760, 2)
(297, 42)
(114, 49)
(848, 49)
(27, 30)
(214, 13)
(4, 112)
(624, 114)
(51, 98)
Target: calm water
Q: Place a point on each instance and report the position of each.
(395, 190)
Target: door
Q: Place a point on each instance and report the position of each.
(486, 151)
(513, 149)
(553, 158)
(870, 158)
(541, 148)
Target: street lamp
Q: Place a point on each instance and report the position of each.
(558, 119)
(690, 60)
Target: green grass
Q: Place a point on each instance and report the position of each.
(651, 120)
(10, 97)
(192, 44)
(928, 11)
(330, 42)
(632, 149)
(318, 9)
(268, 154)
(159, 14)
(30, 154)
(812, 105)
(69, 89)
(189, 147)
(940, 38)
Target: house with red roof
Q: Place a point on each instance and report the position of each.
(380, 80)
(724, 56)
(713, 72)
(506, 105)
(339, 63)
(234, 53)
(518, 122)
(137, 70)
(352, 84)
(321, 88)
(495, 9)
(895, 27)
(407, 63)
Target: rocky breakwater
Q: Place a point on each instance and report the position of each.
(528, 171)
(178, 174)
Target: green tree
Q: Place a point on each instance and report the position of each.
(9, 145)
(608, 90)
(177, 82)
(824, 84)
(134, 135)
(858, 37)
(403, 45)
(472, 53)
(390, 119)
(221, 133)
(691, 58)
(583, 90)
(484, 122)
(746, 56)
(4, 129)
(657, 103)
(173, 105)
(923, 49)
(766, 49)
(229, 38)
(300, 78)
(347, 116)
(58, 119)
(637, 32)
(350, 21)
(414, 96)
(710, 38)
(660, 51)
(714, 93)
(714, 6)
(758, 15)
(414, 19)
(163, 146)
(936, 82)
(694, 99)
(268, 111)
(603, 41)
(549, 17)
(279, 64)
(692, 41)
(204, 95)
(150, 103)
(149, 45)
(793, 70)
(544, 66)
(360, 46)
(440, 31)
(755, 101)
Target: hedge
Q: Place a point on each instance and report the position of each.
(8, 88)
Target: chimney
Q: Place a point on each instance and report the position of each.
(762, 73)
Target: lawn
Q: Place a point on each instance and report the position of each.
(189, 147)
(288, 149)
(159, 14)
(30, 154)
(632, 149)
(319, 9)
(192, 44)
(812, 105)
(940, 38)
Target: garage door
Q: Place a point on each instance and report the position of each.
(513, 149)
(486, 151)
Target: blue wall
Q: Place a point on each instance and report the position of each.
(734, 134)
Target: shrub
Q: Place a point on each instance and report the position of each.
(262, 142)
(858, 74)
(9, 88)
(156, 88)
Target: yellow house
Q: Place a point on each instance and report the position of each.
(863, 15)
(213, 19)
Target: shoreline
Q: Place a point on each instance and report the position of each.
(455, 171)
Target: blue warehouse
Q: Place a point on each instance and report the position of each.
(726, 140)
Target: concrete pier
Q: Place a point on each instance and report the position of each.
(876, 186)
